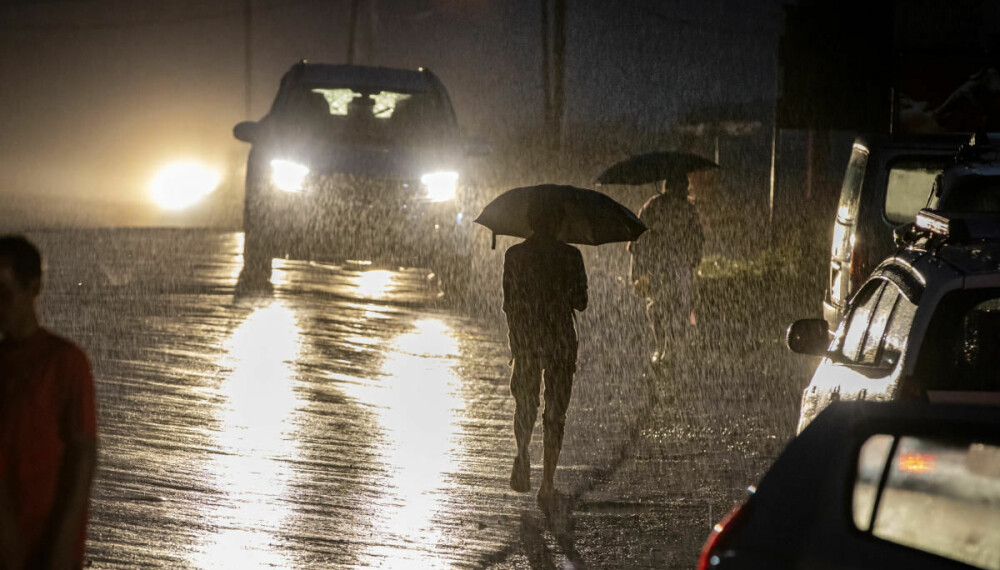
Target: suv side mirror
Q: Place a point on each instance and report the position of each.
(477, 147)
(808, 336)
(246, 131)
(904, 235)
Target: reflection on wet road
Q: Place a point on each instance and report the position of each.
(347, 420)
(257, 437)
(416, 405)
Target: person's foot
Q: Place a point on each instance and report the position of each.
(520, 475)
(548, 497)
(252, 283)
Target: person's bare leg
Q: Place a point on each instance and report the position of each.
(653, 319)
(524, 385)
(558, 389)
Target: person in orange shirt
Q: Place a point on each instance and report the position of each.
(48, 426)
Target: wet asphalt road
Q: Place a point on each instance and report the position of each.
(351, 419)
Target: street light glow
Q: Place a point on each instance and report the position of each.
(183, 184)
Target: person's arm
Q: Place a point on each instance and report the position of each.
(507, 280)
(578, 288)
(72, 500)
(79, 426)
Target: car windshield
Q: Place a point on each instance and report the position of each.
(366, 116)
(909, 186)
(962, 348)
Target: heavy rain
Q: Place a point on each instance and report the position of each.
(316, 253)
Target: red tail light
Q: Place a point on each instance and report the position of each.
(720, 531)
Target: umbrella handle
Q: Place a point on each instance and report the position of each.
(494, 246)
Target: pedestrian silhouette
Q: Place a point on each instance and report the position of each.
(544, 282)
(48, 426)
(663, 261)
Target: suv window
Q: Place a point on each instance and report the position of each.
(860, 317)
(959, 352)
(878, 326)
(940, 496)
(875, 335)
(897, 332)
(909, 186)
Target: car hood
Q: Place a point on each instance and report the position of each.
(391, 162)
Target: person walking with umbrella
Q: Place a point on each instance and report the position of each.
(544, 284)
(664, 258)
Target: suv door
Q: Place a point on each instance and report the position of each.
(865, 355)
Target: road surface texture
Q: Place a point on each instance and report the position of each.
(355, 419)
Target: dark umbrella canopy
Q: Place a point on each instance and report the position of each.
(654, 166)
(589, 217)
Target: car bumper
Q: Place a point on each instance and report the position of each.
(383, 222)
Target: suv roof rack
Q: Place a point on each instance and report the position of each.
(981, 147)
(954, 226)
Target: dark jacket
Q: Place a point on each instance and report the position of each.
(672, 246)
(544, 281)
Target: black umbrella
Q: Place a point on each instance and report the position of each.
(652, 167)
(589, 217)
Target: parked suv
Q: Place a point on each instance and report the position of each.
(888, 179)
(358, 163)
(925, 325)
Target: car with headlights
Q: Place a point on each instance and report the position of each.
(358, 163)
(873, 485)
(925, 325)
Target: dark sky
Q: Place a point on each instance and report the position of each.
(97, 94)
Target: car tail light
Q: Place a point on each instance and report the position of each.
(917, 462)
(724, 529)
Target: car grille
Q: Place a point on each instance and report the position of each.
(366, 192)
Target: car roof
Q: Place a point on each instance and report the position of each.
(362, 76)
(943, 141)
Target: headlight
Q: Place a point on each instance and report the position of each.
(441, 186)
(288, 175)
(183, 184)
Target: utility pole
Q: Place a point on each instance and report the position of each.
(352, 32)
(559, 70)
(546, 76)
(247, 59)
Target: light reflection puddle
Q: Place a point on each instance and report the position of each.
(417, 406)
(256, 440)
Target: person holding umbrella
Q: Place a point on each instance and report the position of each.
(664, 259)
(544, 283)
